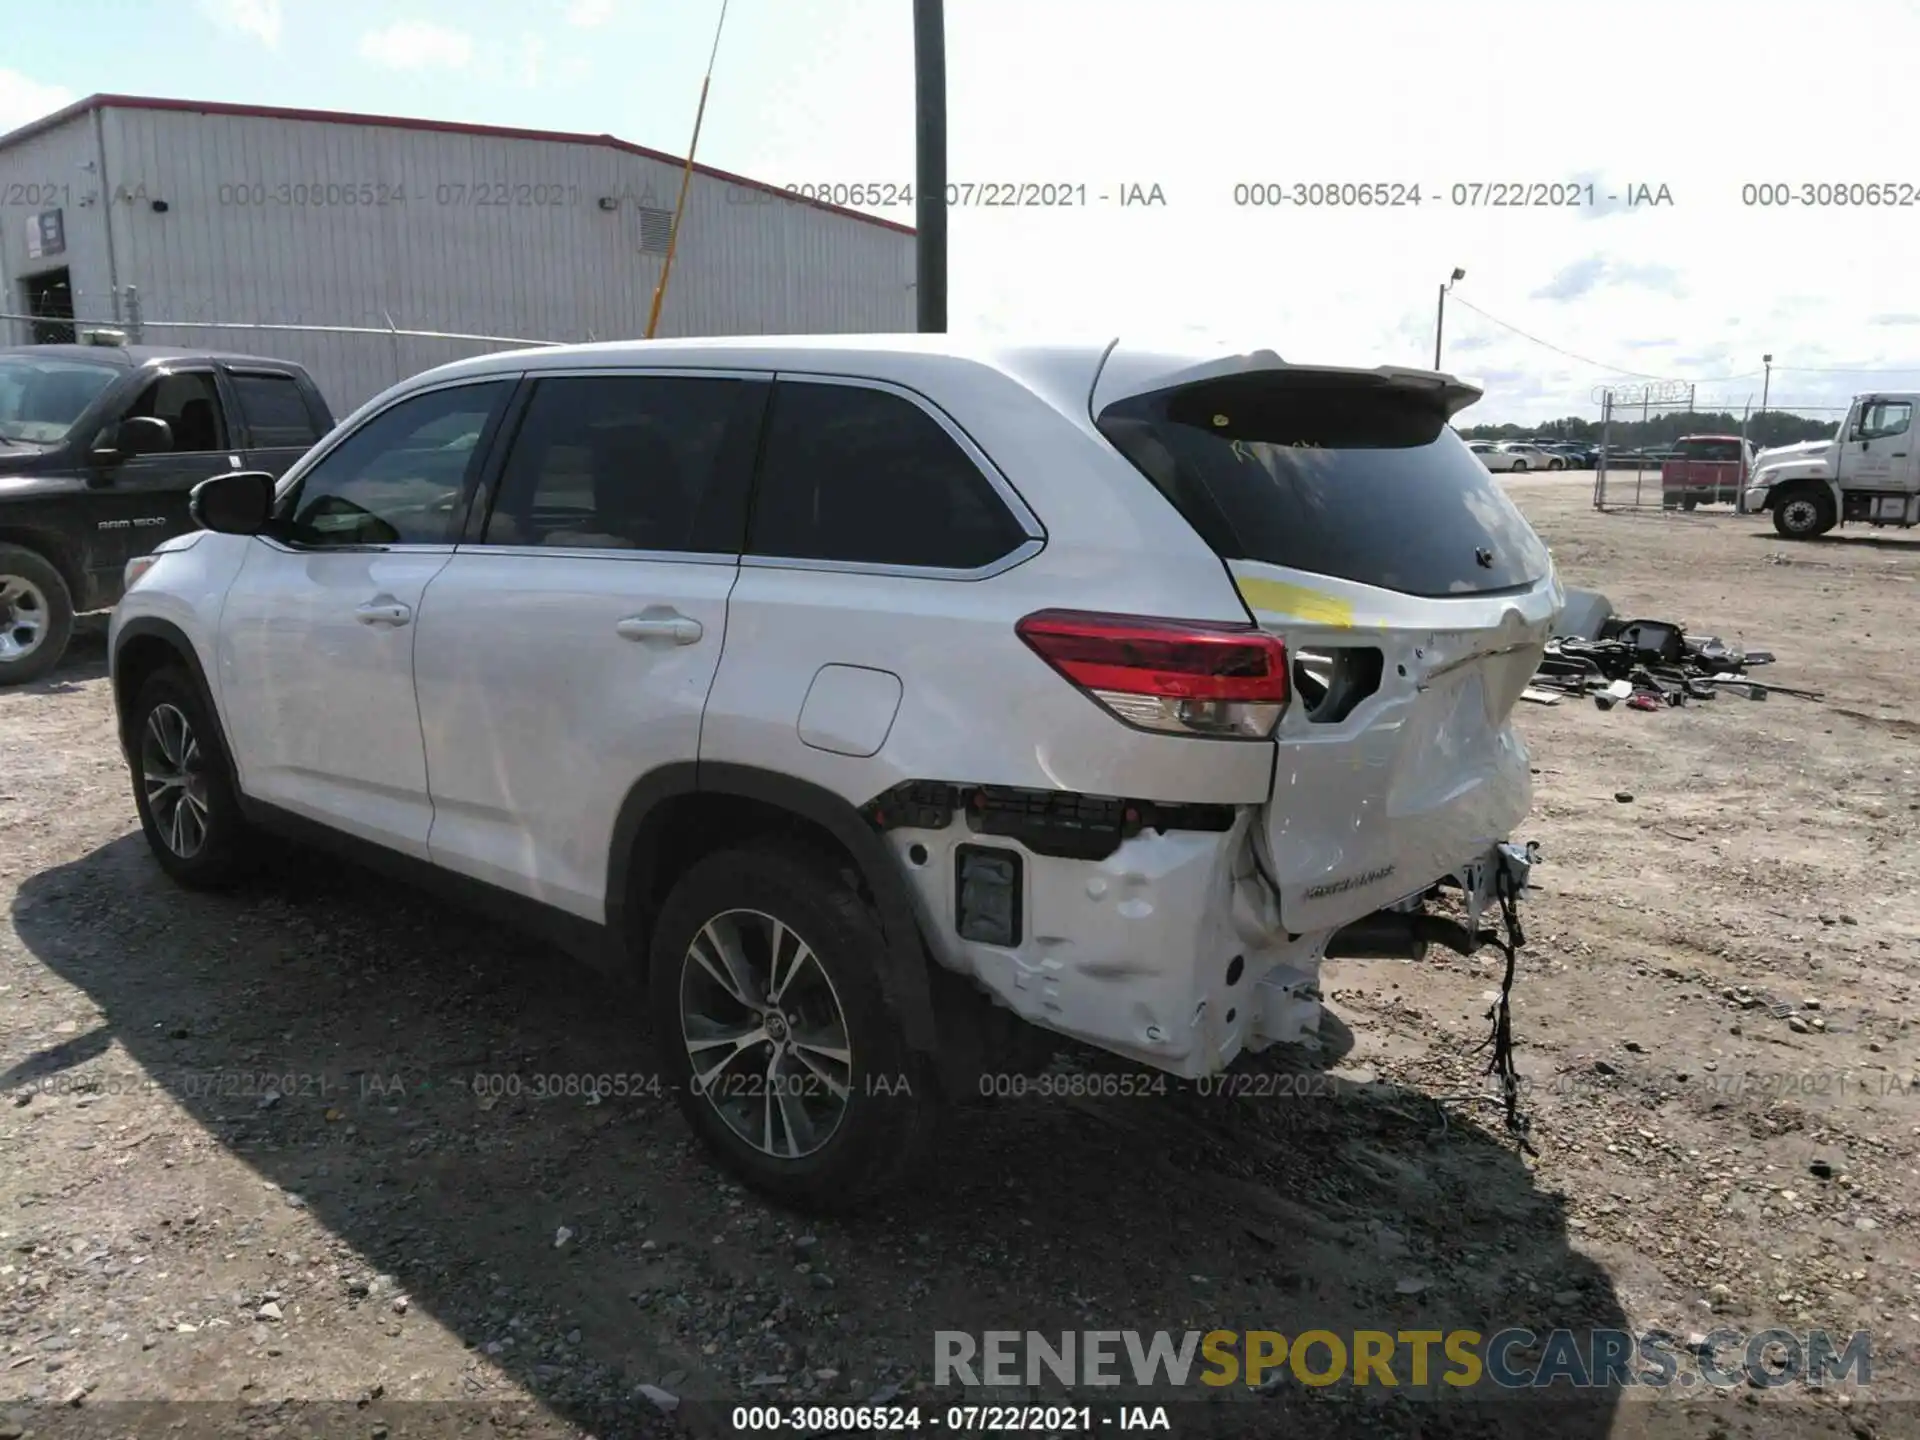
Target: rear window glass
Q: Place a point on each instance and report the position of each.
(1332, 475)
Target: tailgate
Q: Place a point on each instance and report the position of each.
(1398, 762)
(1414, 599)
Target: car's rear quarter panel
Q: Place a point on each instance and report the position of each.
(977, 706)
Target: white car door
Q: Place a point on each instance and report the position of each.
(316, 642)
(1881, 444)
(567, 648)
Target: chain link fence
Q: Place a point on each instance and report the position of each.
(1641, 425)
(351, 362)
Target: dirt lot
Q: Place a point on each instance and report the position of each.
(247, 1175)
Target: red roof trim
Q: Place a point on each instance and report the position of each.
(444, 127)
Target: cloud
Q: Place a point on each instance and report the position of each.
(589, 14)
(23, 99)
(1582, 277)
(1574, 280)
(1897, 318)
(262, 19)
(417, 45)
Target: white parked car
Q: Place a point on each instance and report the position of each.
(864, 697)
(1495, 457)
(1532, 457)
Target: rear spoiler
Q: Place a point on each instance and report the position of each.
(1125, 374)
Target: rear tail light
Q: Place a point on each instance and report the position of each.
(1182, 677)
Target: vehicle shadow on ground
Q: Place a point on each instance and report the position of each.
(423, 1117)
(86, 659)
(1832, 543)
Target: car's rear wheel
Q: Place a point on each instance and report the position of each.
(1804, 513)
(1690, 503)
(36, 615)
(1519, 467)
(189, 810)
(1556, 465)
(775, 1029)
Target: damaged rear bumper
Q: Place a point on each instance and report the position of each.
(1170, 949)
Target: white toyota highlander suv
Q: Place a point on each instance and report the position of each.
(877, 703)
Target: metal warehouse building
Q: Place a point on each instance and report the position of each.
(187, 223)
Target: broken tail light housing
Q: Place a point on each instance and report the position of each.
(1180, 677)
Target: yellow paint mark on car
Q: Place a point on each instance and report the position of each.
(1312, 606)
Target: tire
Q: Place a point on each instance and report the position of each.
(182, 786)
(36, 615)
(1690, 504)
(827, 1153)
(1519, 467)
(1556, 465)
(1804, 513)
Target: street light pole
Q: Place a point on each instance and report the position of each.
(1440, 317)
(930, 163)
(1767, 383)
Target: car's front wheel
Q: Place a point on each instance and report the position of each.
(770, 1007)
(189, 810)
(1519, 467)
(36, 615)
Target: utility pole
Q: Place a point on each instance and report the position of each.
(930, 164)
(1767, 383)
(1440, 318)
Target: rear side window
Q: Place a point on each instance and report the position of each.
(275, 410)
(863, 476)
(623, 462)
(1331, 474)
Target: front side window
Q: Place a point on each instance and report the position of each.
(1884, 418)
(857, 475)
(622, 462)
(1334, 475)
(399, 478)
(40, 399)
(190, 404)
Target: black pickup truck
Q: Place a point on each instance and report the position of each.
(99, 445)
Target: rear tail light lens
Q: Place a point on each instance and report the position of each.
(1182, 677)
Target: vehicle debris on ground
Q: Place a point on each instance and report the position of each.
(1643, 664)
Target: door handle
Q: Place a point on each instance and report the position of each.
(383, 612)
(680, 629)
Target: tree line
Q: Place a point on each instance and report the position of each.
(1765, 428)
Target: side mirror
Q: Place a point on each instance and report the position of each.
(137, 435)
(237, 503)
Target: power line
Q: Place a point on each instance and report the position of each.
(1841, 370)
(1600, 364)
(1549, 345)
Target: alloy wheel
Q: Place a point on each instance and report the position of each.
(24, 617)
(174, 777)
(766, 1033)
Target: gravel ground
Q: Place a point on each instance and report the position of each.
(282, 1161)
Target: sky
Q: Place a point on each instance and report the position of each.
(1203, 100)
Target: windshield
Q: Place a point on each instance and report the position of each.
(41, 397)
(1333, 474)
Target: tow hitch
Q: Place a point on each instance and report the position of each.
(1496, 882)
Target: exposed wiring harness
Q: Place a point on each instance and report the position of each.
(1500, 1013)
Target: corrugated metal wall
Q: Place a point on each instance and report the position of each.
(272, 220)
(58, 169)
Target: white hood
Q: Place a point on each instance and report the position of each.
(1789, 452)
